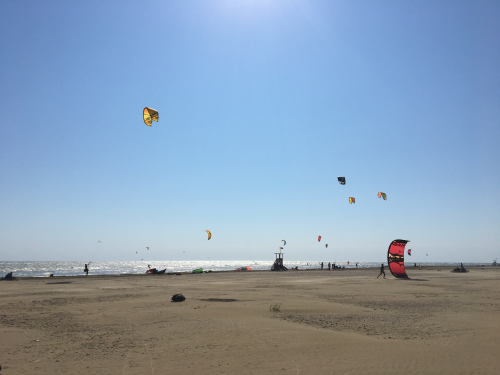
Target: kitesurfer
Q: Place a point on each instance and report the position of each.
(381, 271)
(329, 266)
(321, 266)
(86, 269)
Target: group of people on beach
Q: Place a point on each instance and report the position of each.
(332, 266)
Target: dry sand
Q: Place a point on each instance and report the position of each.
(330, 322)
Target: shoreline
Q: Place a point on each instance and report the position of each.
(409, 271)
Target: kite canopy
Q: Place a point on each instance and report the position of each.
(326, 245)
(246, 268)
(209, 234)
(396, 258)
(284, 242)
(319, 238)
(149, 115)
(409, 252)
(352, 200)
(341, 180)
(382, 195)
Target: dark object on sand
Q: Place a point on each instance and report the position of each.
(178, 298)
(460, 269)
(51, 275)
(9, 277)
(154, 271)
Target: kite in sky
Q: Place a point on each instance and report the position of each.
(326, 245)
(99, 241)
(409, 252)
(209, 234)
(284, 242)
(382, 195)
(341, 180)
(147, 248)
(149, 115)
(352, 200)
(319, 238)
(396, 258)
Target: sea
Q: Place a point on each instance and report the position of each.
(68, 268)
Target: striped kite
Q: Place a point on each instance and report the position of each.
(352, 200)
(149, 115)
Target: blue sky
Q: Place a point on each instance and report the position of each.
(262, 105)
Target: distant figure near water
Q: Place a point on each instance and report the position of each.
(381, 271)
(321, 266)
(86, 270)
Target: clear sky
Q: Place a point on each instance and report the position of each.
(262, 103)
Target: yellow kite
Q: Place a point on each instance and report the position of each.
(209, 234)
(149, 115)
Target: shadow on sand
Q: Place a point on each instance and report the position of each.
(61, 282)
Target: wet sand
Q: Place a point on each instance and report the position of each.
(327, 322)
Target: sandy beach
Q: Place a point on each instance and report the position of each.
(326, 322)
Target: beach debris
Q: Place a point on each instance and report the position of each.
(341, 180)
(352, 200)
(319, 238)
(409, 252)
(276, 307)
(178, 298)
(382, 195)
(284, 242)
(149, 115)
(209, 234)
(396, 258)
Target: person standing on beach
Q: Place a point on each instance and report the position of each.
(86, 270)
(381, 271)
(329, 266)
(321, 266)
